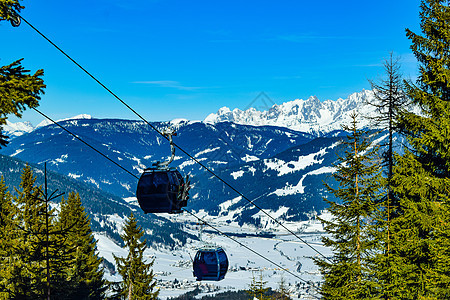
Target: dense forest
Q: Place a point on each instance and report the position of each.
(390, 230)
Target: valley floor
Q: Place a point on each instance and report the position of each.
(173, 268)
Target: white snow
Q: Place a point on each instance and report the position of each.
(237, 174)
(249, 158)
(178, 121)
(299, 188)
(17, 152)
(48, 122)
(225, 205)
(17, 129)
(91, 180)
(311, 115)
(74, 176)
(206, 151)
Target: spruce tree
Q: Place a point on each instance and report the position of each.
(348, 273)
(18, 90)
(283, 290)
(137, 276)
(389, 101)
(29, 273)
(257, 288)
(421, 176)
(84, 272)
(8, 233)
(9, 9)
(40, 249)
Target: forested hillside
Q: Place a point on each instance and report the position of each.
(105, 210)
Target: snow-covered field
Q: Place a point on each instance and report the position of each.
(173, 268)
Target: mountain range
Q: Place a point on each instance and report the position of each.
(278, 158)
(311, 116)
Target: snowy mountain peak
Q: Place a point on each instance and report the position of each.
(311, 115)
(77, 117)
(17, 129)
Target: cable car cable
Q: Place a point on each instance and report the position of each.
(81, 140)
(192, 214)
(181, 149)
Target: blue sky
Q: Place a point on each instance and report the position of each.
(185, 59)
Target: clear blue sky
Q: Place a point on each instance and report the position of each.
(185, 59)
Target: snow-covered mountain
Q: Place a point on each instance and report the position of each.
(311, 115)
(281, 167)
(17, 129)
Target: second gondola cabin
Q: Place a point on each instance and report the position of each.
(210, 263)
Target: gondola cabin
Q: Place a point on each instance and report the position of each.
(160, 191)
(210, 263)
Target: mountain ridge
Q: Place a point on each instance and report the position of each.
(311, 116)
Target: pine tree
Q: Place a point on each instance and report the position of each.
(7, 235)
(347, 275)
(390, 102)
(282, 290)
(421, 237)
(8, 8)
(18, 90)
(137, 276)
(38, 265)
(83, 272)
(257, 288)
(27, 270)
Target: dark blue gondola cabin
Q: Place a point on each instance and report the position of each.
(158, 191)
(210, 264)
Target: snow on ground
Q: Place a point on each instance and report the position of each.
(206, 151)
(17, 152)
(249, 158)
(225, 205)
(173, 268)
(237, 174)
(131, 200)
(290, 189)
(74, 176)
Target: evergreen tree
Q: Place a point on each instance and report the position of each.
(7, 235)
(348, 275)
(38, 266)
(390, 102)
(31, 249)
(18, 90)
(421, 176)
(282, 290)
(257, 288)
(84, 272)
(137, 276)
(9, 8)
